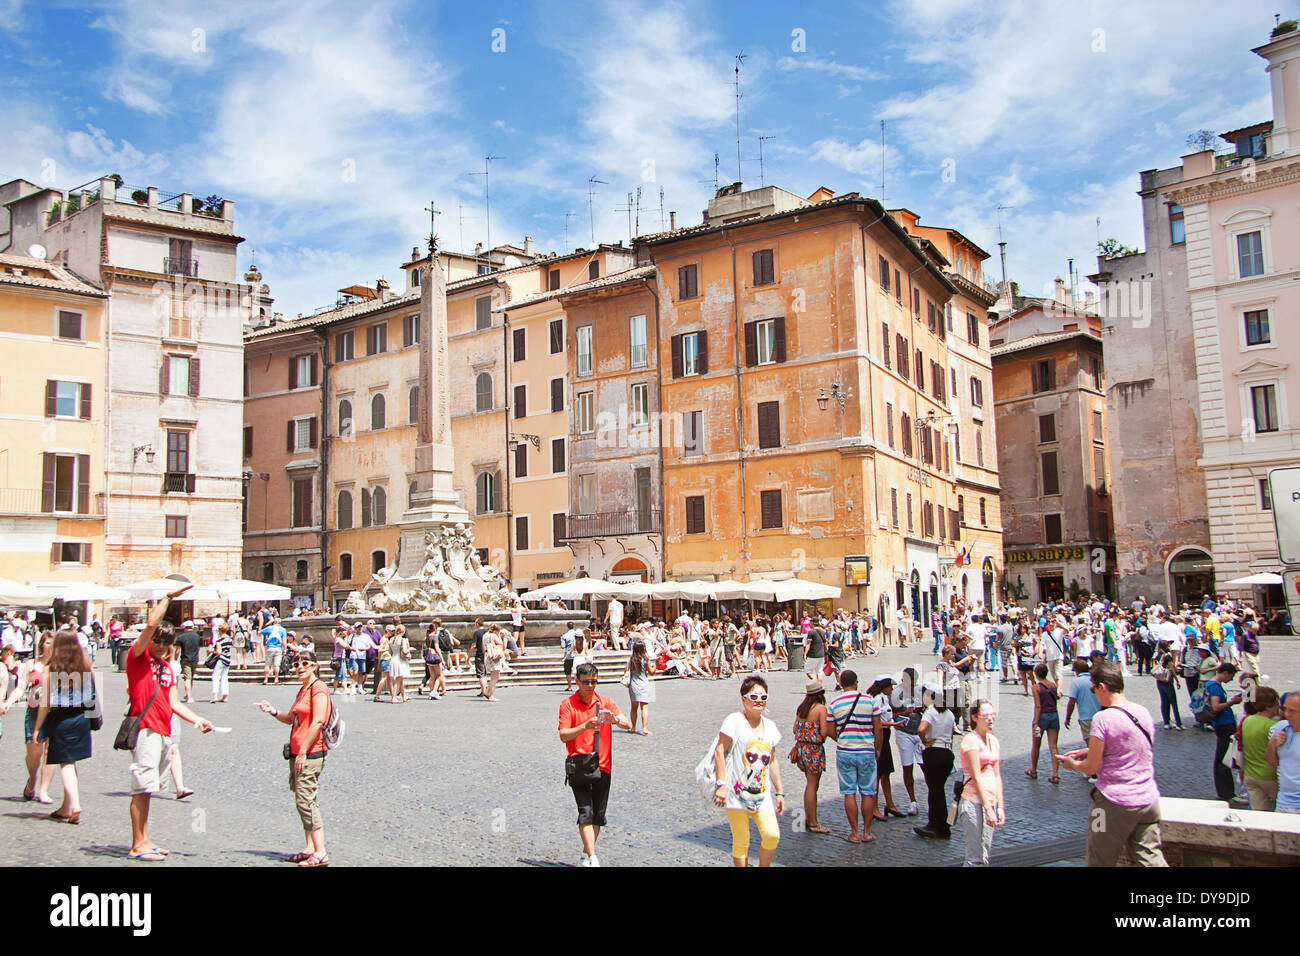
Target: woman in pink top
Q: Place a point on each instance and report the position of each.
(981, 807)
(1125, 810)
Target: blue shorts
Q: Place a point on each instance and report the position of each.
(1049, 721)
(857, 772)
(29, 725)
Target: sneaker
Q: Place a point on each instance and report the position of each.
(595, 860)
(1168, 727)
(584, 860)
(913, 809)
(433, 696)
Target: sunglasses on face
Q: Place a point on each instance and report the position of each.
(757, 698)
(588, 683)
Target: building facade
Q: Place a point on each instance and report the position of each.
(174, 352)
(1050, 403)
(53, 409)
(1162, 530)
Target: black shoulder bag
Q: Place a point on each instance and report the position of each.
(840, 729)
(582, 770)
(129, 732)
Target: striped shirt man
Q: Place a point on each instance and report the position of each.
(856, 732)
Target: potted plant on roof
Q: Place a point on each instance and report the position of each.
(140, 196)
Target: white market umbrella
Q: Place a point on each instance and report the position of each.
(158, 588)
(734, 590)
(20, 595)
(684, 590)
(1262, 578)
(637, 591)
(574, 590)
(798, 590)
(239, 590)
(81, 591)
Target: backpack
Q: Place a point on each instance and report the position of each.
(1200, 706)
(334, 729)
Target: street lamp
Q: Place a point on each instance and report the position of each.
(534, 440)
(148, 453)
(824, 399)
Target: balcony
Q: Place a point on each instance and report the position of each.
(613, 523)
(178, 481)
(28, 501)
(181, 267)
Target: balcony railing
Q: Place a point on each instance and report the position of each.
(612, 523)
(28, 501)
(178, 481)
(181, 267)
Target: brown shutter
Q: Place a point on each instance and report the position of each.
(496, 490)
(703, 350)
(248, 441)
(758, 267)
(315, 369)
(189, 482)
(677, 356)
(769, 424)
(85, 554)
(164, 382)
(47, 482)
(55, 552)
(365, 507)
(780, 339)
(85, 401)
(293, 372)
(751, 344)
(194, 376)
(83, 484)
(288, 441)
(52, 398)
(312, 434)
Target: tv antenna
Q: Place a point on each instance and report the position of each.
(740, 58)
(487, 194)
(567, 216)
(661, 209)
(591, 204)
(882, 162)
(761, 180)
(460, 208)
(627, 209)
(1002, 250)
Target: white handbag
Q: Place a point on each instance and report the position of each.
(705, 774)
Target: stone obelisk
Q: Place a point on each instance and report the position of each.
(434, 503)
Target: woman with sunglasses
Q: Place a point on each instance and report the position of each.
(812, 726)
(744, 760)
(982, 808)
(306, 752)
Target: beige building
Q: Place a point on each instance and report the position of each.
(174, 351)
(52, 423)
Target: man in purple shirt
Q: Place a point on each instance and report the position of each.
(1125, 809)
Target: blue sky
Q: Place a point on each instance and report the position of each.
(331, 126)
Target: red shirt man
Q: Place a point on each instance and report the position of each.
(580, 716)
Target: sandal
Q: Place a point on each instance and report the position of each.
(297, 857)
(184, 793)
(316, 859)
(1031, 774)
(147, 856)
(1053, 779)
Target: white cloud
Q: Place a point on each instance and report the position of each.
(834, 68)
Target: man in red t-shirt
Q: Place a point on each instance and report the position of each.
(151, 688)
(580, 715)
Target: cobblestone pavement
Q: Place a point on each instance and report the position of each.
(461, 781)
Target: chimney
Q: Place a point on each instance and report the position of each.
(528, 245)
(1089, 301)
(478, 248)
(1059, 292)
(381, 286)
(672, 220)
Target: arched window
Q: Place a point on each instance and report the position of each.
(345, 418)
(377, 412)
(345, 567)
(485, 493)
(300, 570)
(344, 518)
(413, 405)
(983, 514)
(378, 506)
(483, 392)
(378, 561)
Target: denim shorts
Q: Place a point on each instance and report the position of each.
(857, 772)
(1050, 720)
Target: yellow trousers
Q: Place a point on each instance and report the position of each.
(764, 819)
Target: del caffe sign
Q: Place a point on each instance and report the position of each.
(1045, 554)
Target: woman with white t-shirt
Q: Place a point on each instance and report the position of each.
(906, 702)
(749, 774)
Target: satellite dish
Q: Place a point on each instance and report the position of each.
(36, 251)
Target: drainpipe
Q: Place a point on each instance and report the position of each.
(871, 392)
(510, 542)
(659, 438)
(738, 334)
(325, 566)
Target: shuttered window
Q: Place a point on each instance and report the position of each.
(695, 514)
(557, 394)
(770, 507)
(483, 312)
(765, 342)
(521, 401)
(557, 456)
(763, 269)
(1051, 477)
(769, 424)
(521, 533)
(688, 283)
(519, 341)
